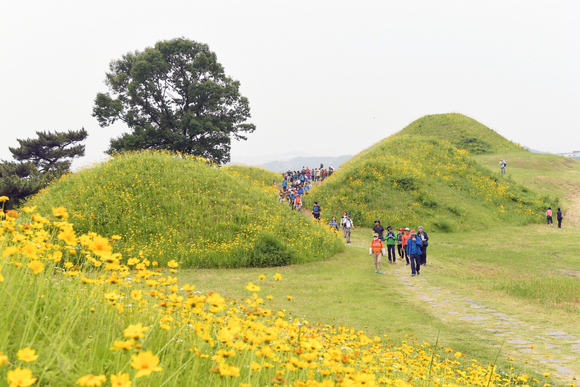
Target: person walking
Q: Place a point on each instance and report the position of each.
(378, 229)
(400, 242)
(375, 249)
(391, 242)
(343, 223)
(414, 252)
(348, 226)
(502, 165)
(333, 224)
(406, 237)
(425, 240)
(298, 203)
(316, 211)
(549, 217)
(559, 216)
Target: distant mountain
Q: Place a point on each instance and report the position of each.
(297, 163)
(536, 151)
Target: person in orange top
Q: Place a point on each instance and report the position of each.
(405, 238)
(375, 249)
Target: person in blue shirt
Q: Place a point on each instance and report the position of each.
(414, 244)
(333, 224)
(292, 199)
(300, 191)
(284, 185)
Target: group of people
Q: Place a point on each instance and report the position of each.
(293, 194)
(345, 222)
(308, 174)
(559, 217)
(411, 246)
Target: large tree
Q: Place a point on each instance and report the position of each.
(174, 96)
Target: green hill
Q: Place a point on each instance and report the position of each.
(462, 132)
(257, 176)
(179, 207)
(416, 177)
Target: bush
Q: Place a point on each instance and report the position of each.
(443, 225)
(269, 251)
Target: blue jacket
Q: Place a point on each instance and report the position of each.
(414, 247)
(300, 191)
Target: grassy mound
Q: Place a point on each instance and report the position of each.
(176, 207)
(462, 132)
(410, 179)
(258, 176)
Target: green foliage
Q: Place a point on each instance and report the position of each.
(461, 131)
(410, 179)
(255, 175)
(42, 160)
(174, 96)
(51, 151)
(269, 251)
(179, 207)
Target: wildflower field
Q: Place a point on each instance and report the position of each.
(104, 320)
(415, 177)
(176, 207)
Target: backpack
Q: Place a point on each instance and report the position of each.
(400, 238)
(316, 209)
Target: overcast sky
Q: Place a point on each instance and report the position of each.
(322, 77)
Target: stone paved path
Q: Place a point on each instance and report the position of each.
(561, 346)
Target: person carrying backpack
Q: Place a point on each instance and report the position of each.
(559, 216)
(378, 229)
(342, 223)
(333, 224)
(425, 240)
(406, 237)
(284, 185)
(391, 242)
(316, 211)
(400, 242)
(298, 203)
(375, 249)
(414, 244)
(502, 165)
(348, 226)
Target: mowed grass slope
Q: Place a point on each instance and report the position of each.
(178, 207)
(415, 177)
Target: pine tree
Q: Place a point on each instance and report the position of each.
(41, 160)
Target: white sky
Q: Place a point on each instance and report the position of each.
(323, 77)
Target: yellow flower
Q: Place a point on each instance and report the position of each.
(116, 237)
(188, 287)
(100, 246)
(137, 294)
(60, 212)
(1, 277)
(135, 331)
(146, 363)
(4, 199)
(289, 298)
(120, 344)
(172, 264)
(120, 380)
(36, 266)
(28, 210)
(27, 355)
(3, 359)
(92, 380)
(255, 366)
(253, 288)
(278, 277)
(261, 277)
(21, 377)
(546, 374)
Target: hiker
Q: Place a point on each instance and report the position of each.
(343, 224)
(333, 224)
(406, 236)
(549, 217)
(425, 240)
(316, 211)
(284, 185)
(559, 216)
(298, 203)
(414, 252)
(348, 226)
(375, 249)
(400, 242)
(292, 199)
(502, 164)
(391, 242)
(378, 229)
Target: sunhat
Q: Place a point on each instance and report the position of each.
(401, 229)
(406, 228)
(413, 232)
(376, 235)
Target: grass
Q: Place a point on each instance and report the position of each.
(137, 325)
(411, 180)
(177, 207)
(256, 175)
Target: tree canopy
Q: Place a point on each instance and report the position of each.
(174, 96)
(41, 160)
